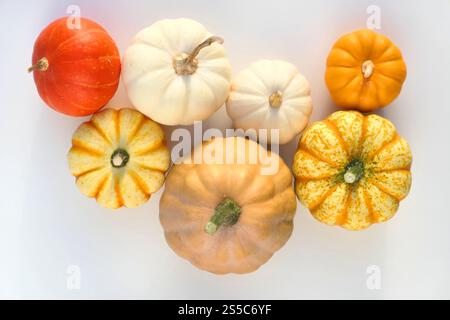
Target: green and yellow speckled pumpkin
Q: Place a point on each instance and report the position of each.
(352, 170)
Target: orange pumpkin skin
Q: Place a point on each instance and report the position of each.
(76, 71)
(194, 193)
(365, 71)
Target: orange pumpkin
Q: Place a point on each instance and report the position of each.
(228, 216)
(365, 71)
(76, 70)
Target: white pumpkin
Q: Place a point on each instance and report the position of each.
(176, 72)
(270, 94)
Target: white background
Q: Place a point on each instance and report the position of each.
(46, 225)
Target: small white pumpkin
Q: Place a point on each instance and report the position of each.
(270, 94)
(176, 72)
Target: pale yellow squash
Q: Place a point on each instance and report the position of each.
(119, 158)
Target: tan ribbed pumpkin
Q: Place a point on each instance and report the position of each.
(228, 217)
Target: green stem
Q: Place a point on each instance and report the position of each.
(225, 214)
(354, 171)
(119, 158)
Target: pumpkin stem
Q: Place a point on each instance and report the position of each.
(225, 214)
(40, 65)
(186, 64)
(276, 99)
(354, 171)
(202, 45)
(119, 158)
(367, 68)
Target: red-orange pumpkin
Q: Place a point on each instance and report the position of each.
(76, 70)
